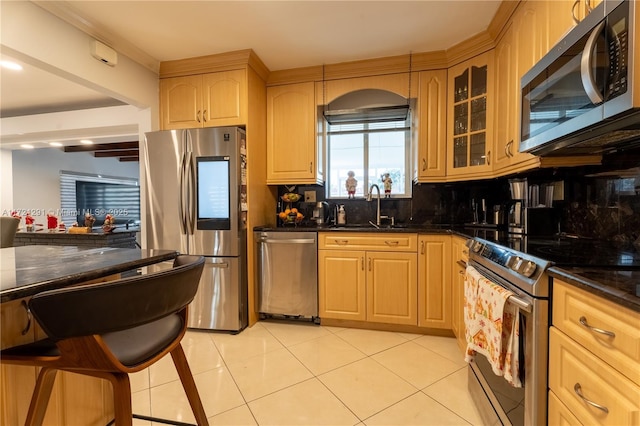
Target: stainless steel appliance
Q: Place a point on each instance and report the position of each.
(288, 274)
(520, 264)
(583, 96)
(321, 213)
(530, 213)
(195, 195)
(526, 277)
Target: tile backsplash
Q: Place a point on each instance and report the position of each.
(598, 202)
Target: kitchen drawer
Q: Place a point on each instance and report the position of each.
(559, 414)
(571, 365)
(571, 304)
(368, 241)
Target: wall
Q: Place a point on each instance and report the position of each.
(6, 181)
(36, 181)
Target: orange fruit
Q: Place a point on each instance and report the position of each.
(287, 211)
(294, 210)
(282, 215)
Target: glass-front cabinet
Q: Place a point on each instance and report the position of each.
(470, 136)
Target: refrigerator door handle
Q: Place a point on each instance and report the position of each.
(223, 265)
(191, 181)
(182, 202)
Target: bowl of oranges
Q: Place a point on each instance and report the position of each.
(290, 216)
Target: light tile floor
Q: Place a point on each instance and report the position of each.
(281, 373)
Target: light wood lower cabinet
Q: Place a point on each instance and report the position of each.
(368, 277)
(459, 259)
(434, 281)
(594, 359)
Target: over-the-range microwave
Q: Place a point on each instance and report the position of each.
(583, 97)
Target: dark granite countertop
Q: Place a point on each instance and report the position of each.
(411, 228)
(27, 270)
(619, 286)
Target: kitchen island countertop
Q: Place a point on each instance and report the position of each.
(27, 270)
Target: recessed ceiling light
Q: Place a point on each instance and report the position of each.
(26, 146)
(86, 142)
(11, 65)
(55, 144)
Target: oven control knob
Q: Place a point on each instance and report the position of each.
(514, 262)
(528, 268)
(476, 246)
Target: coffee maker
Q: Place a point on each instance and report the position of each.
(529, 213)
(321, 213)
(519, 200)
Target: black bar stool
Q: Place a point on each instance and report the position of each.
(111, 329)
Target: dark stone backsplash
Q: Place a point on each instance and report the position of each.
(604, 207)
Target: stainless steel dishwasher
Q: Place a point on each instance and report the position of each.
(288, 274)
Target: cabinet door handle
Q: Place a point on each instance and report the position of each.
(341, 242)
(583, 321)
(506, 149)
(310, 166)
(424, 164)
(198, 116)
(573, 11)
(488, 158)
(369, 264)
(421, 247)
(362, 262)
(28, 311)
(204, 116)
(510, 146)
(391, 243)
(578, 390)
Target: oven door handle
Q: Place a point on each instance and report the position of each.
(523, 305)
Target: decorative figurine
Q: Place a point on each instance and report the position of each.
(108, 225)
(88, 220)
(28, 220)
(386, 180)
(351, 184)
(52, 222)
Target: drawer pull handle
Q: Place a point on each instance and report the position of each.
(341, 242)
(578, 390)
(362, 262)
(583, 321)
(392, 243)
(28, 311)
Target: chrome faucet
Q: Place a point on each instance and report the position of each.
(378, 206)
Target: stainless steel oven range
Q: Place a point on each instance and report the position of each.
(526, 277)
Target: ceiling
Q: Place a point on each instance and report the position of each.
(284, 34)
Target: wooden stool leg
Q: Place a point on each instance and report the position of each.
(189, 385)
(41, 395)
(121, 398)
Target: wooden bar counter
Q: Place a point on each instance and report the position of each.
(27, 270)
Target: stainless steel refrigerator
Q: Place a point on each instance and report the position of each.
(195, 197)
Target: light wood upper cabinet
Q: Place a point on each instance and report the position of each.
(430, 161)
(291, 134)
(224, 98)
(506, 139)
(207, 100)
(470, 117)
(434, 281)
